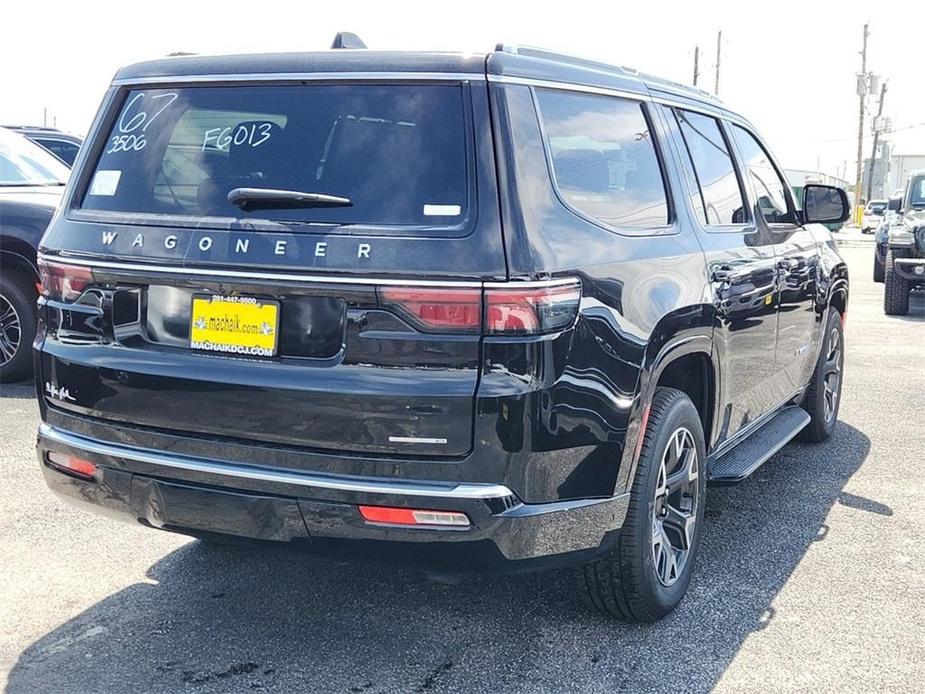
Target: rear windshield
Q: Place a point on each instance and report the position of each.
(397, 153)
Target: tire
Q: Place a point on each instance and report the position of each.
(823, 395)
(18, 319)
(878, 268)
(628, 583)
(895, 288)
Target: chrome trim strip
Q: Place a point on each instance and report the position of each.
(570, 87)
(365, 486)
(248, 275)
(532, 284)
(716, 110)
(414, 439)
(299, 76)
(706, 108)
(223, 273)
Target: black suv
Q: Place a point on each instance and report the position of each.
(31, 183)
(509, 310)
(904, 261)
(65, 147)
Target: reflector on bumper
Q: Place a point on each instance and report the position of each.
(409, 516)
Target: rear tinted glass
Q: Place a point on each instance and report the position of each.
(397, 152)
(65, 151)
(603, 158)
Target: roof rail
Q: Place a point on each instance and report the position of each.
(43, 128)
(578, 61)
(565, 58)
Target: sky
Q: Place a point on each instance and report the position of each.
(787, 66)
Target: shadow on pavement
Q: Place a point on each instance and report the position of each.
(18, 391)
(916, 308)
(243, 619)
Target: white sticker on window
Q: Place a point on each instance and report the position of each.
(442, 210)
(105, 182)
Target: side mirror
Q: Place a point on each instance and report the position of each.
(895, 204)
(825, 205)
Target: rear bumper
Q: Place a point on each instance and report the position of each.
(199, 496)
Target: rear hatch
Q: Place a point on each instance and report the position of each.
(295, 262)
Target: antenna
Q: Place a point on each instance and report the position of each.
(347, 39)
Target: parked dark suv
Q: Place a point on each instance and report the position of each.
(904, 259)
(31, 183)
(510, 310)
(64, 146)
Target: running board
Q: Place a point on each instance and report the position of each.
(746, 457)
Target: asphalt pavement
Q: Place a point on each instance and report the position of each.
(811, 579)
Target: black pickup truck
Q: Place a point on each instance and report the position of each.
(510, 310)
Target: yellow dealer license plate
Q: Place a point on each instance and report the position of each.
(234, 325)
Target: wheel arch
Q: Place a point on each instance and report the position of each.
(680, 354)
(18, 254)
(838, 297)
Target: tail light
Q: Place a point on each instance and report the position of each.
(544, 309)
(454, 310)
(503, 309)
(63, 282)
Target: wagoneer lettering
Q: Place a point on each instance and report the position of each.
(508, 311)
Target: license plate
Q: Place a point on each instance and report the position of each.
(234, 325)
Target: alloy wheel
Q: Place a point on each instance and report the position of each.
(10, 331)
(831, 379)
(675, 507)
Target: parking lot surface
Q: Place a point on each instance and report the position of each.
(810, 578)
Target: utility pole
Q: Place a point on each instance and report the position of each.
(873, 152)
(719, 50)
(862, 95)
(696, 64)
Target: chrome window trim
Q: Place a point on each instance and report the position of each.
(221, 273)
(704, 109)
(448, 490)
(694, 105)
(299, 77)
(569, 87)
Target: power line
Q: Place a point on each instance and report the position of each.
(887, 132)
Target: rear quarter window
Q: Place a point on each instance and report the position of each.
(603, 159)
(399, 153)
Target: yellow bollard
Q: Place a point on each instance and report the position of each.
(858, 215)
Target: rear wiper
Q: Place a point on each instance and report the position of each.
(272, 199)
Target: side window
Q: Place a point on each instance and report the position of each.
(719, 185)
(769, 187)
(687, 167)
(603, 158)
